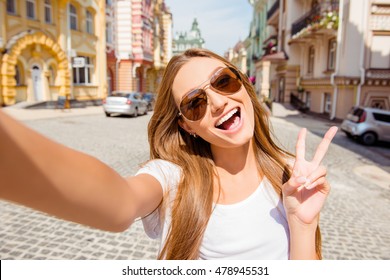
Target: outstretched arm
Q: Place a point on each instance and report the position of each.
(304, 195)
(47, 176)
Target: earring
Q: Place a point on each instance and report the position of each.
(194, 135)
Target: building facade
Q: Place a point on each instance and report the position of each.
(162, 44)
(186, 40)
(238, 56)
(139, 43)
(50, 49)
(329, 55)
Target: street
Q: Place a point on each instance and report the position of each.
(354, 223)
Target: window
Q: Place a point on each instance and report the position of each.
(48, 13)
(72, 17)
(30, 9)
(89, 22)
(332, 54)
(327, 103)
(52, 76)
(308, 100)
(380, 52)
(17, 76)
(310, 67)
(82, 75)
(109, 32)
(382, 117)
(11, 6)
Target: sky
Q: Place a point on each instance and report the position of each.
(222, 22)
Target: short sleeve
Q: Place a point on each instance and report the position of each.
(168, 175)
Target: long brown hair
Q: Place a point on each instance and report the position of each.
(192, 206)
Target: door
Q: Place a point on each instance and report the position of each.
(36, 75)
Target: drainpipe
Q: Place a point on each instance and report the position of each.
(361, 67)
(338, 54)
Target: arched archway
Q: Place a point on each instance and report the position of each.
(14, 48)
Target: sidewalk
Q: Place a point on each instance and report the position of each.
(36, 114)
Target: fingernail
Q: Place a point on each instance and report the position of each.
(311, 186)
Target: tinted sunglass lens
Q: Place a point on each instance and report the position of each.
(194, 105)
(226, 81)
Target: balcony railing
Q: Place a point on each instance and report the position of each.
(314, 15)
(297, 103)
(273, 9)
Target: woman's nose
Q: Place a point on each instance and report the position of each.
(217, 101)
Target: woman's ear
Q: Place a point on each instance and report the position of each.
(185, 126)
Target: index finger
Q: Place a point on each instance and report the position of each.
(300, 146)
(324, 145)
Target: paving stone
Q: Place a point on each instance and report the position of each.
(354, 221)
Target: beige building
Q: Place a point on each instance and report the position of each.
(238, 56)
(328, 55)
(52, 48)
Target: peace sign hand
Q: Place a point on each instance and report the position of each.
(305, 192)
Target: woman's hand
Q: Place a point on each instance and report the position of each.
(305, 192)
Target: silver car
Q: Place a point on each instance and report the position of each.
(125, 103)
(369, 125)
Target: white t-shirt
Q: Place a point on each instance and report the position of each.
(254, 228)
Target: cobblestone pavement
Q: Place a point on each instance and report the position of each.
(355, 221)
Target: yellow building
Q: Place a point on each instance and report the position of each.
(52, 48)
(162, 44)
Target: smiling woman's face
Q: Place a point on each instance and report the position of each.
(229, 119)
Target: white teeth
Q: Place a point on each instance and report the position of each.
(226, 117)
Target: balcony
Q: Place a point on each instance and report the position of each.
(273, 9)
(322, 16)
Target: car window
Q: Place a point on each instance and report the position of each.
(119, 94)
(358, 112)
(382, 117)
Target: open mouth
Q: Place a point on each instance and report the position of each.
(230, 121)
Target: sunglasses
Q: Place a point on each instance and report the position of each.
(225, 81)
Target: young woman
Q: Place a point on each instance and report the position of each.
(217, 186)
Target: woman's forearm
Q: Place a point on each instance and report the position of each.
(302, 241)
(47, 176)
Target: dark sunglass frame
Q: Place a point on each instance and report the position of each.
(193, 105)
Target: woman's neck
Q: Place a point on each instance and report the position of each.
(235, 160)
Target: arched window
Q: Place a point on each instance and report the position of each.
(89, 22)
(72, 17)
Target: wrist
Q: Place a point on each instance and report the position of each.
(302, 239)
(296, 223)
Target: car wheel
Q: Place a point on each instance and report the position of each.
(368, 138)
(135, 112)
(107, 114)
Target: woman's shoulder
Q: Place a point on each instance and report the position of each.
(166, 172)
(161, 164)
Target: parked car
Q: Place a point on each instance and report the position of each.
(368, 125)
(125, 103)
(151, 99)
